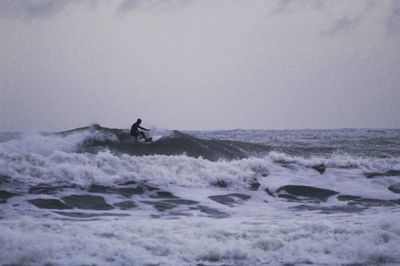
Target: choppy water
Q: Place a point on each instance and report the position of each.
(240, 197)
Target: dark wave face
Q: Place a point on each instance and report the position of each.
(381, 143)
(175, 143)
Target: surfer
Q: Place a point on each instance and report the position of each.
(136, 132)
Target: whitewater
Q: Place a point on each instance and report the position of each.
(93, 196)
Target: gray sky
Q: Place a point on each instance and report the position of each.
(183, 64)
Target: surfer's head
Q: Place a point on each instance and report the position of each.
(139, 121)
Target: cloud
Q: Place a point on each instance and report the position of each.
(49, 8)
(343, 25)
(32, 8)
(284, 6)
(129, 5)
(393, 20)
(352, 17)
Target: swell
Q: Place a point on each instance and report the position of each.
(176, 143)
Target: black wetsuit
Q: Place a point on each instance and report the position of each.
(135, 130)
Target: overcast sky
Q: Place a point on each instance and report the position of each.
(206, 64)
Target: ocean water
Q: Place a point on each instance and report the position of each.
(92, 196)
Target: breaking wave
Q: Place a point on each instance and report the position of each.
(100, 156)
(96, 138)
(95, 155)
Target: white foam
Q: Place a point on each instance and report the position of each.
(298, 239)
(45, 144)
(340, 161)
(106, 168)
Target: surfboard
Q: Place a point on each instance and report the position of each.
(156, 138)
(151, 139)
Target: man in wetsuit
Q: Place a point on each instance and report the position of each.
(135, 130)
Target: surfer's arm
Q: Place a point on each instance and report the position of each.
(144, 128)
